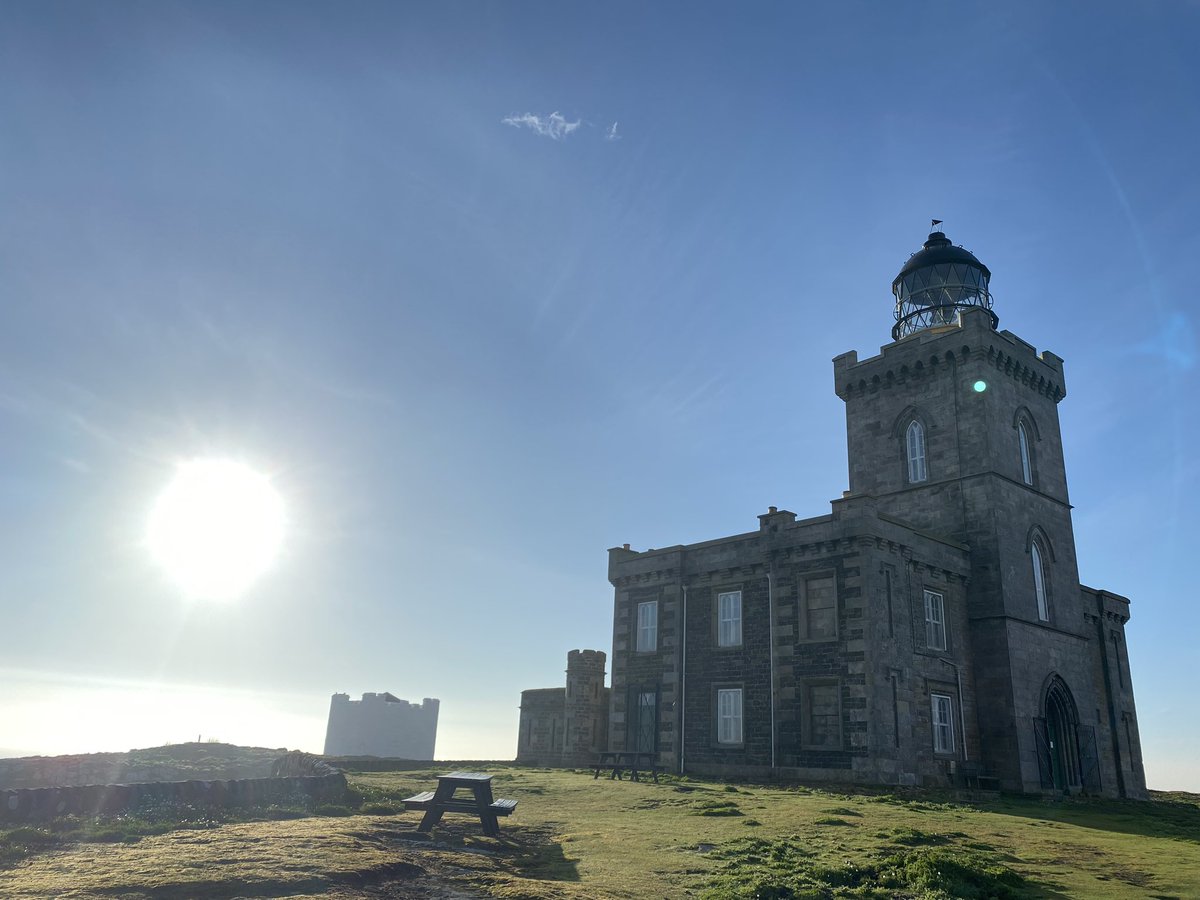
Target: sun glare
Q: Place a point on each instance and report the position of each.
(216, 528)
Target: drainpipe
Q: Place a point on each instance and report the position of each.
(682, 676)
(771, 652)
(962, 715)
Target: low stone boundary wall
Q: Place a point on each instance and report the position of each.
(396, 764)
(40, 804)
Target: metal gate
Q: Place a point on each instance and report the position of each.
(1041, 742)
(643, 734)
(1089, 759)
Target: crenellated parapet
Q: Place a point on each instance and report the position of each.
(1003, 360)
(936, 351)
(855, 525)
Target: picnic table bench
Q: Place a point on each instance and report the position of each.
(442, 800)
(617, 761)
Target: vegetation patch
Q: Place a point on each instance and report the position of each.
(915, 837)
(18, 843)
(773, 870)
(379, 809)
(716, 808)
(843, 811)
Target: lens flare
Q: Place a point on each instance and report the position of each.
(216, 528)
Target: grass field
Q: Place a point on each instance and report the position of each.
(572, 836)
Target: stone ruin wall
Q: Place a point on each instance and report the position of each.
(173, 762)
(296, 777)
(566, 726)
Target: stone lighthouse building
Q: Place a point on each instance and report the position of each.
(932, 627)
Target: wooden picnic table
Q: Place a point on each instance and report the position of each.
(617, 761)
(442, 800)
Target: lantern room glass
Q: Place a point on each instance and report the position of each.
(943, 281)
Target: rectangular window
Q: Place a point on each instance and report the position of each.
(647, 626)
(729, 716)
(935, 621)
(943, 723)
(820, 609)
(729, 619)
(822, 715)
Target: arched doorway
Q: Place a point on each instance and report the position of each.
(1060, 732)
(1066, 749)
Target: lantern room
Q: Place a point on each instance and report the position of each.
(936, 283)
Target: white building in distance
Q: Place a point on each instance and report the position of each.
(381, 725)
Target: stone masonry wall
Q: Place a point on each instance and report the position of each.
(585, 707)
(875, 640)
(541, 728)
(319, 783)
(566, 726)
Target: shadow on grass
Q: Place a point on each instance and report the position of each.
(1173, 816)
(229, 889)
(523, 851)
(532, 852)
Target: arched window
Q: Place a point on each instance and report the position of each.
(916, 451)
(1039, 580)
(1026, 465)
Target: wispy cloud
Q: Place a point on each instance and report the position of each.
(553, 126)
(612, 133)
(75, 465)
(1175, 343)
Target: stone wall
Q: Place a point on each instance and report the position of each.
(566, 726)
(192, 761)
(317, 783)
(585, 708)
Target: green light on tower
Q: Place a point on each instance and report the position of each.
(980, 386)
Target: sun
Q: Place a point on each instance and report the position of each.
(216, 528)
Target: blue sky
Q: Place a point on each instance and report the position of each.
(475, 345)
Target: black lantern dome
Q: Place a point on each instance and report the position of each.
(936, 283)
